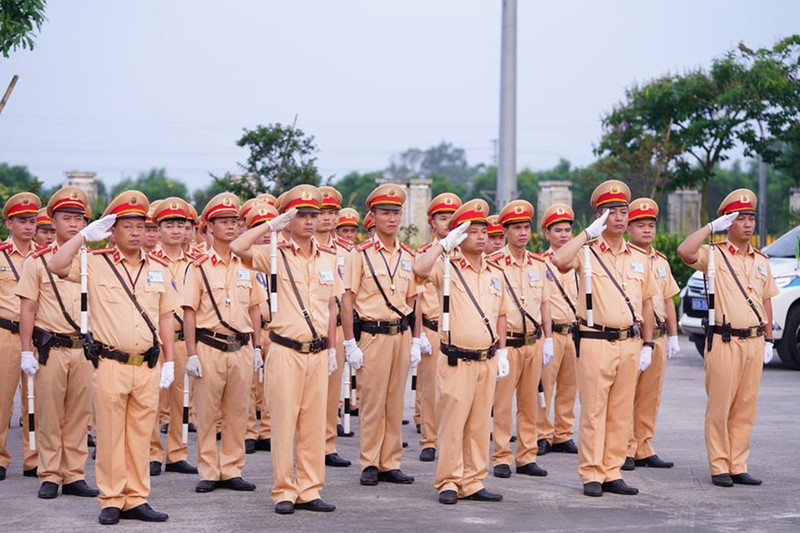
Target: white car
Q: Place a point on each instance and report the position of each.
(693, 307)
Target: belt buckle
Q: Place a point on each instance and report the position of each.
(76, 343)
(752, 331)
(234, 346)
(623, 334)
(529, 340)
(483, 355)
(394, 330)
(135, 360)
(305, 347)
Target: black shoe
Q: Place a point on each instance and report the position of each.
(2, 473)
(219, 435)
(532, 469)
(395, 476)
(79, 488)
(333, 459)
(145, 513)
(94, 453)
(264, 445)
(745, 479)
(427, 455)
(181, 467)
(484, 495)
(618, 486)
(722, 480)
(448, 497)
(369, 476)
(48, 490)
(568, 446)
(90, 441)
(419, 429)
(236, 483)
(654, 461)
(284, 507)
(318, 506)
(513, 438)
(503, 471)
(33, 472)
(164, 428)
(249, 446)
(205, 485)
(629, 464)
(339, 430)
(543, 447)
(593, 488)
(192, 428)
(405, 444)
(155, 468)
(354, 412)
(109, 516)
(405, 422)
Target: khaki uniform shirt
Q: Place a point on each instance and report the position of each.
(429, 295)
(560, 310)
(177, 269)
(317, 281)
(9, 302)
(667, 287)
(35, 284)
(527, 280)
(369, 304)
(752, 269)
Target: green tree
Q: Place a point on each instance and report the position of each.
(17, 178)
(19, 22)
(355, 187)
(443, 159)
(440, 184)
(154, 184)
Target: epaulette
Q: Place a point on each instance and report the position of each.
(284, 244)
(328, 249)
(101, 250)
(408, 249)
(41, 251)
(636, 248)
(536, 257)
(659, 254)
(363, 246)
(344, 244)
(5, 246)
(158, 259)
(197, 255)
(759, 252)
(200, 260)
(494, 264)
(424, 247)
(497, 256)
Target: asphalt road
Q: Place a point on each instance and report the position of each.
(679, 499)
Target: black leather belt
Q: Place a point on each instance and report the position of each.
(72, 342)
(742, 333)
(10, 325)
(608, 334)
(313, 346)
(432, 325)
(660, 330)
(222, 342)
(564, 329)
(454, 352)
(376, 327)
(518, 340)
(107, 352)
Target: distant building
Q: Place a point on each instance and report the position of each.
(83, 180)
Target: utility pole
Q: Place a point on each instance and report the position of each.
(507, 161)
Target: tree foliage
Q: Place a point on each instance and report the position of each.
(443, 159)
(355, 187)
(19, 22)
(17, 178)
(154, 184)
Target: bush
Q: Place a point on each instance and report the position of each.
(667, 244)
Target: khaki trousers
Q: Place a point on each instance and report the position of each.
(606, 386)
(126, 407)
(464, 395)
(646, 402)
(560, 375)
(383, 377)
(733, 376)
(63, 390)
(258, 423)
(176, 450)
(525, 370)
(334, 398)
(298, 389)
(223, 393)
(426, 392)
(9, 379)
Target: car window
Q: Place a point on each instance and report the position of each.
(785, 246)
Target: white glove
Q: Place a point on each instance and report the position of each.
(673, 347)
(98, 230)
(455, 237)
(258, 363)
(547, 351)
(193, 367)
(598, 226)
(503, 368)
(353, 354)
(167, 374)
(424, 344)
(724, 222)
(332, 364)
(767, 352)
(281, 221)
(29, 364)
(645, 358)
(416, 353)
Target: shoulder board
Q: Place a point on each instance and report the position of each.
(101, 250)
(497, 256)
(284, 244)
(424, 247)
(328, 249)
(200, 259)
(5, 246)
(196, 255)
(759, 252)
(41, 251)
(363, 246)
(634, 247)
(158, 259)
(344, 244)
(659, 254)
(536, 257)
(492, 264)
(408, 249)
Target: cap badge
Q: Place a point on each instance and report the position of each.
(518, 210)
(305, 195)
(448, 200)
(390, 192)
(560, 211)
(227, 201)
(614, 189)
(133, 200)
(744, 199)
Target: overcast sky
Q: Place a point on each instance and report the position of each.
(119, 87)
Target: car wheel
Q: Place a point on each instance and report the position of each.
(700, 344)
(789, 347)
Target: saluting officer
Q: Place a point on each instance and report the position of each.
(611, 350)
(642, 220)
(131, 300)
(524, 274)
(497, 239)
(19, 212)
(380, 287)
(472, 353)
(49, 315)
(45, 232)
(555, 433)
(740, 341)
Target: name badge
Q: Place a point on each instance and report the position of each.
(637, 267)
(533, 275)
(244, 275)
(662, 272)
(406, 265)
(496, 284)
(155, 276)
(762, 269)
(326, 275)
(5, 269)
(340, 260)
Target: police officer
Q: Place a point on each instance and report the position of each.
(472, 355)
(642, 220)
(63, 376)
(497, 239)
(611, 349)
(347, 225)
(740, 340)
(131, 300)
(19, 213)
(524, 274)
(45, 232)
(555, 434)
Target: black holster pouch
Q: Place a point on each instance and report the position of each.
(91, 351)
(43, 340)
(151, 356)
(709, 332)
(576, 338)
(356, 326)
(726, 332)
